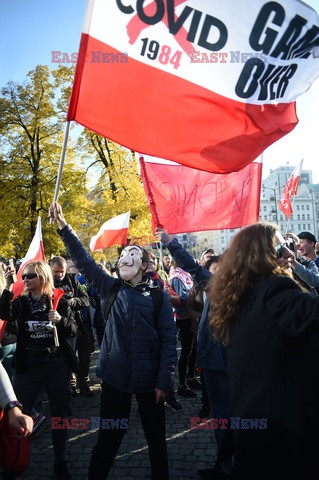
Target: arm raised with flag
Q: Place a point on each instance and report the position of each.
(138, 351)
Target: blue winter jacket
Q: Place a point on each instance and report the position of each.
(136, 356)
(211, 354)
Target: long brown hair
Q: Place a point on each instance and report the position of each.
(250, 256)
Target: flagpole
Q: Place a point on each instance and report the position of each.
(61, 164)
(149, 194)
(161, 255)
(292, 208)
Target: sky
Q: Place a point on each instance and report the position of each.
(32, 29)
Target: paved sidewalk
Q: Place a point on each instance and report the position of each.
(188, 450)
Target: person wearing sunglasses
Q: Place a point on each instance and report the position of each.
(41, 356)
(270, 326)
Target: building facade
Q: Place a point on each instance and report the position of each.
(305, 204)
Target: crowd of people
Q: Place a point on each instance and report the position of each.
(247, 323)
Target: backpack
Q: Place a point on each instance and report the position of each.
(157, 298)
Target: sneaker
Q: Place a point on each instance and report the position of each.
(194, 384)
(61, 471)
(172, 403)
(185, 391)
(38, 421)
(204, 412)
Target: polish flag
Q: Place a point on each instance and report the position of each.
(290, 189)
(34, 253)
(207, 84)
(112, 232)
(182, 199)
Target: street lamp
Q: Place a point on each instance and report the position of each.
(275, 199)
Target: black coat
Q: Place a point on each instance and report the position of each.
(18, 311)
(273, 364)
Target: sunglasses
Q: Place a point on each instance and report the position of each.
(29, 276)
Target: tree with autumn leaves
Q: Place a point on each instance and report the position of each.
(32, 119)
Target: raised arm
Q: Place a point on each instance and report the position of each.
(100, 281)
(185, 261)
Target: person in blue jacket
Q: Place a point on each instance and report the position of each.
(138, 353)
(211, 355)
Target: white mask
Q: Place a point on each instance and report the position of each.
(130, 262)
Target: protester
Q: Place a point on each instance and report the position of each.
(182, 283)
(268, 323)
(206, 255)
(8, 402)
(42, 348)
(166, 263)
(21, 423)
(9, 338)
(138, 351)
(211, 355)
(83, 343)
(303, 265)
(307, 242)
(154, 276)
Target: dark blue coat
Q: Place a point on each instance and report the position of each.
(136, 356)
(210, 353)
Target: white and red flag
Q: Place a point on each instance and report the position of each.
(112, 232)
(207, 84)
(34, 253)
(183, 199)
(290, 190)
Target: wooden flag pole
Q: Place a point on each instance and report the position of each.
(61, 164)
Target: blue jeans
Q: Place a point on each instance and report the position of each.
(217, 391)
(6, 358)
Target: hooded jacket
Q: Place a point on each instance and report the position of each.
(136, 356)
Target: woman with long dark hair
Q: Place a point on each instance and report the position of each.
(41, 355)
(270, 326)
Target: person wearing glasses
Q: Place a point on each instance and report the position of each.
(270, 325)
(41, 354)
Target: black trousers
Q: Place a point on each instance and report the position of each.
(117, 405)
(84, 348)
(187, 359)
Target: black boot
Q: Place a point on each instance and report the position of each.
(61, 471)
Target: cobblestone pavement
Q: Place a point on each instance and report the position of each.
(188, 450)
